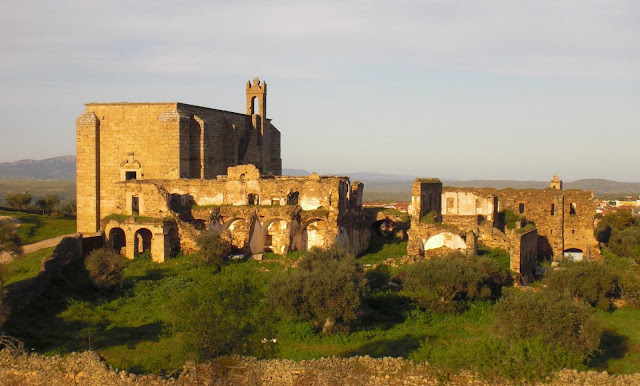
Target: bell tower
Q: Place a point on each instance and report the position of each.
(257, 98)
(555, 183)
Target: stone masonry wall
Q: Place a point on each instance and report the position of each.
(550, 210)
(88, 369)
(161, 141)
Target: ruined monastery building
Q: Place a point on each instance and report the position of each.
(152, 176)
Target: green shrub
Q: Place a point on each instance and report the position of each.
(493, 358)
(104, 267)
(595, 283)
(552, 317)
(222, 316)
(9, 240)
(213, 249)
(327, 289)
(447, 283)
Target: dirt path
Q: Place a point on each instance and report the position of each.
(12, 220)
(6, 257)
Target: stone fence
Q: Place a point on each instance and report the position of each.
(88, 369)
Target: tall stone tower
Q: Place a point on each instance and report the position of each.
(556, 183)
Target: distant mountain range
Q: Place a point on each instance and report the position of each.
(64, 168)
(57, 168)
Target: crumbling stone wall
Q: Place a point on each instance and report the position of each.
(523, 254)
(259, 213)
(564, 219)
(88, 369)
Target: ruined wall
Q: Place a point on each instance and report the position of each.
(551, 210)
(523, 254)
(466, 203)
(426, 196)
(579, 223)
(256, 211)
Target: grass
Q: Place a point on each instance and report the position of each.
(621, 342)
(23, 267)
(129, 327)
(35, 227)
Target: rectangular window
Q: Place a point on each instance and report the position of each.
(131, 176)
(521, 208)
(572, 209)
(450, 205)
(135, 205)
(275, 201)
(553, 209)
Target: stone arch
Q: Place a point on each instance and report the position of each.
(238, 232)
(142, 241)
(314, 233)
(575, 254)
(173, 241)
(255, 105)
(276, 235)
(117, 240)
(444, 239)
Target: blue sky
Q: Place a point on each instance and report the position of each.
(452, 89)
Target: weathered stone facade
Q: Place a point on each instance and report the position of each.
(145, 170)
(561, 222)
(123, 141)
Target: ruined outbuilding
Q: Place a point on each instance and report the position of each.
(152, 176)
(551, 222)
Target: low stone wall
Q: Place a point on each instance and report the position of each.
(21, 294)
(88, 369)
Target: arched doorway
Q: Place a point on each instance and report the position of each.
(314, 234)
(276, 236)
(142, 241)
(238, 231)
(117, 240)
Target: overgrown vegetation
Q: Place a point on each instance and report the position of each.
(213, 249)
(448, 311)
(447, 284)
(9, 240)
(104, 267)
(326, 289)
(593, 282)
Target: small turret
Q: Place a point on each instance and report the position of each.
(556, 183)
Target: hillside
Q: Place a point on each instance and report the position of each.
(57, 168)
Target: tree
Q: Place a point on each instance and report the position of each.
(19, 200)
(327, 289)
(9, 240)
(222, 315)
(68, 208)
(104, 267)
(592, 282)
(446, 283)
(213, 249)
(553, 317)
(48, 203)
